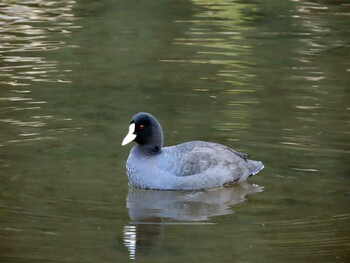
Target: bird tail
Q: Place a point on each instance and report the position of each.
(255, 167)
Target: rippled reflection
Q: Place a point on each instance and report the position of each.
(214, 33)
(26, 28)
(185, 206)
(150, 210)
(270, 78)
(29, 31)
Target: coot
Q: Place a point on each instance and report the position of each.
(186, 166)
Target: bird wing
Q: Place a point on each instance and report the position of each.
(205, 157)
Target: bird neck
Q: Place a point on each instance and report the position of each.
(149, 149)
(154, 143)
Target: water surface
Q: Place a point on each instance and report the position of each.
(263, 77)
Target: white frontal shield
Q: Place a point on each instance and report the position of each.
(130, 136)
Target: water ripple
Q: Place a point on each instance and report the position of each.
(26, 29)
(30, 33)
(212, 33)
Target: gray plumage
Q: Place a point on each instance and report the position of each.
(187, 166)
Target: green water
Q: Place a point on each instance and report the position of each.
(270, 78)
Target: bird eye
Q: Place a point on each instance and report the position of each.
(141, 127)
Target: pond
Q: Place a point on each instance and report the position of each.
(269, 78)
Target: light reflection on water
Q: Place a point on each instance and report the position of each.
(195, 206)
(150, 211)
(263, 77)
(228, 51)
(28, 30)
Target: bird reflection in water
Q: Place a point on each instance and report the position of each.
(150, 210)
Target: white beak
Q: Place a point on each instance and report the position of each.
(130, 136)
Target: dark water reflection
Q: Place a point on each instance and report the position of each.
(185, 206)
(266, 77)
(150, 211)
